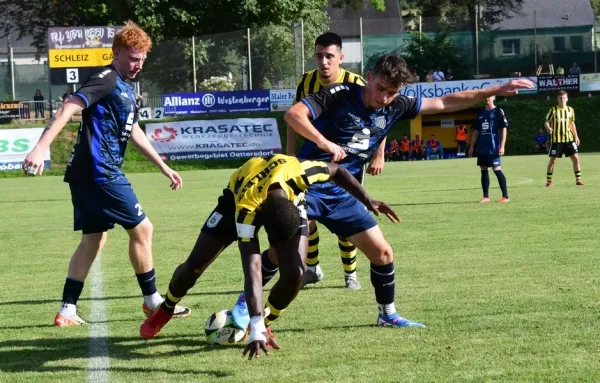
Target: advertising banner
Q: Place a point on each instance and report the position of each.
(441, 88)
(282, 99)
(9, 110)
(556, 82)
(15, 144)
(215, 139)
(181, 104)
(589, 82)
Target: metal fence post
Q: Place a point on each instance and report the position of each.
(362, 60)
(302, 42)
(194, 61)
(249, 63)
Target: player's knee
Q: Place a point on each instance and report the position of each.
(94, 242)
(143, 231)
(383, 256)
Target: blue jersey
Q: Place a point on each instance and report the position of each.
(105, 128)
(339, 114)
(489, 125)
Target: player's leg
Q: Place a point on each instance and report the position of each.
(313, 273)
(485, 181)
(380, 254)
(79, 266)
(217, 233)
(573, 154)
(502, 182)
(348, 255)
(550, 169)
(93, 226)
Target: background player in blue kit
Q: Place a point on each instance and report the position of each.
(490, 136)
(101, 194)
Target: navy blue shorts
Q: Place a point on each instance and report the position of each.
(343, 215)
(491, 161)
(97, 208)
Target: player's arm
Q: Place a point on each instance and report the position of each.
(344, 179)
(462, 100)
(474, 137)
(574, 128)
(35, 158)
(140, 141)
(503, 122)
(378, 161)
(549, 118)
(291, 138)
(311, 107)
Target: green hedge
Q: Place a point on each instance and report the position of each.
(524, 116)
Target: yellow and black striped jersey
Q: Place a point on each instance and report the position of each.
(251, 182)
(310, 82)
(560, 120)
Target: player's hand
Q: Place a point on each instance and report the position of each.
(176, 180)
(512, 87)
(577, 141)
(328, 146)
(254, 348)
(471, 151)
(378, 207)
(376, 166)
(33, 164)
(501, 151)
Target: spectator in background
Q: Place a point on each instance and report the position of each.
(39, 104)
(438, 75)
(405, 148)
(393, 151)
(418, 148)
(575, 69)
(449, 75)
(461, 140)
(416, 76)
(560, 70)
(429, 76)
(541, 142)
(434, 147)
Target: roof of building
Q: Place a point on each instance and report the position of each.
(550, 14)
(345, 21)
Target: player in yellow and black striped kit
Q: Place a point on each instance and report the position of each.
(328, 56)
(560, 124)
(265, 192)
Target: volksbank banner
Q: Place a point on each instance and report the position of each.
(215, 139)
(438, 89)
(178, 104)
(15, 144)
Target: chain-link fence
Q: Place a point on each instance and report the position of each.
(274, 57)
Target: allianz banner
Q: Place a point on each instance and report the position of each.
(15, 144)
(550, 83)
(181, 104)
(215, 139)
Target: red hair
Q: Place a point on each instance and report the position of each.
(132, 36)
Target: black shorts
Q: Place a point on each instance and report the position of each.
(461, 144)
(221, 222)
(557, 149)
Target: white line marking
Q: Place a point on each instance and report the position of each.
(99, 362)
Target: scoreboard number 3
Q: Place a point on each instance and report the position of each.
(73, 76)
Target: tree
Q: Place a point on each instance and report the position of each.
(424, 52)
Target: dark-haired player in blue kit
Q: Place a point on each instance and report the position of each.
(349, 121)
(101, 194)
(490, 136)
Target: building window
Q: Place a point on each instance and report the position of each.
(559, 44)
(511, 47)
(577, 43)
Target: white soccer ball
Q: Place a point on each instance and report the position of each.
(219, 329)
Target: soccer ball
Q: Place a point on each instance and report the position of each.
(219, 329)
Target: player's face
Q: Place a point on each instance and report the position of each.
(379, 93)
(489, 102)
(328, 60)
(129, 62)
(562, 100)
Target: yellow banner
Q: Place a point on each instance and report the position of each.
(77, 58)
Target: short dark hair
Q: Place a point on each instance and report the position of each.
(393, 69)
(281, 218)
(563, 93)
(329, 38)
